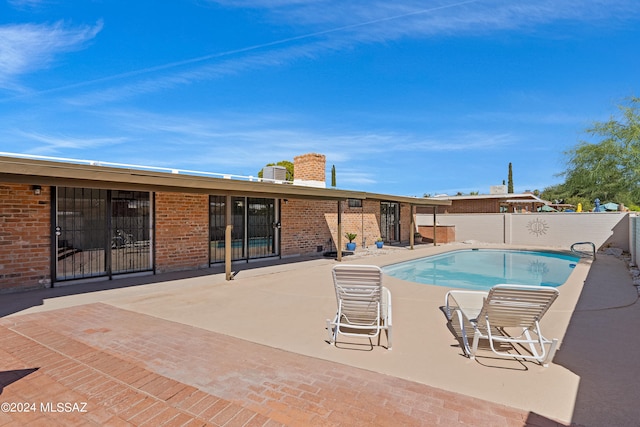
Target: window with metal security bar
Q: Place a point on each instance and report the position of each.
(355, 203)
(390, 221)
(101, 232)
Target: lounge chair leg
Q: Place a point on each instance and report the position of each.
(552, 352)
(330, 331)
(389, 338)
(474, 349)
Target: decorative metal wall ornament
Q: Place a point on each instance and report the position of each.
(537, 227)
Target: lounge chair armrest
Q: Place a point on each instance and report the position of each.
(460, 293)
(386, 306)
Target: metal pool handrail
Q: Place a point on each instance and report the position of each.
(593, 248)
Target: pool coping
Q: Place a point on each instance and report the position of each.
(293, 300)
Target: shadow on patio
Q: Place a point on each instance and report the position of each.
(600, 347)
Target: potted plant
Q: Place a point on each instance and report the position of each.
(379, 242)
(417, 237)
(351, 246)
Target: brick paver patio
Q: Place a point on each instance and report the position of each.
(100, 365)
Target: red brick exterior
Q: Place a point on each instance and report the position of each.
(25, 241)
(466, 206)
(304, 226)
(483, 205)
(365, 222)
(182, 231)
(310, 167)
(444, 234)
(309, 224)
(405, 222)
(474, 206)
(181, 239)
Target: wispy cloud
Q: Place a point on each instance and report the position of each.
(53, 144)
(26, 4)
(543, 118)
(321, 27)
(234, 140)
(182, 73)
(388, 20)
(28, 47)
(242, 144)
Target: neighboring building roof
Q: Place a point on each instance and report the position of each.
(508, 197)
(71, 172)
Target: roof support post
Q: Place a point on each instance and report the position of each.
(227, 239)
(414, 227)
(435, 226)
(339, 239)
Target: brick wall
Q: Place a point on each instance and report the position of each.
(182, 231)
(304, 226)
(24, 237)
(466, 206)
(308, 224)
(309, 167)
(364, 221)
(477, 206)
(405, 223)
(444, 234)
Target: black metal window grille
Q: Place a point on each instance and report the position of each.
(390, 221)
(101, 232)
(261, 227)
(217, 226)
(355, 203)
(130, 231)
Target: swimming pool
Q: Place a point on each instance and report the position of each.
(480, 269)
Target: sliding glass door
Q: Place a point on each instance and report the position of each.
(254, 228)
(101, 232)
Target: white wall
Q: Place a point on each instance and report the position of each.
(539, 229)
(634, 237)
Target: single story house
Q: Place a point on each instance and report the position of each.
(67, 221)
(490, 203)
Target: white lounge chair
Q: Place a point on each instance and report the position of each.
(364, 305)
(493, 314)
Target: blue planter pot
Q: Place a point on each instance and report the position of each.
(351, 246)
(379, 244)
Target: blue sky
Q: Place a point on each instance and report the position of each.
(409, 97)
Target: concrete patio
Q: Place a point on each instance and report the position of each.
(194, 349)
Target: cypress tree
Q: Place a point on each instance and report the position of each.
(510, 185)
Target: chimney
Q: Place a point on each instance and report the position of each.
(309, 170)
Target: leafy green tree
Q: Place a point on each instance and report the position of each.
(560, 192)
(286, 163)
(510, 177)
(610, 168)
(333, 175)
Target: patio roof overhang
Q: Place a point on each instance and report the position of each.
(58, 173)
(67, 173)
(516, 201)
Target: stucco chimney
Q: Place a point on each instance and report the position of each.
(309, 170)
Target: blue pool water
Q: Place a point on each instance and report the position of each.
(480, 269)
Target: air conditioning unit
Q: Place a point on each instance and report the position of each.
(278, 173)
(498, 189)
